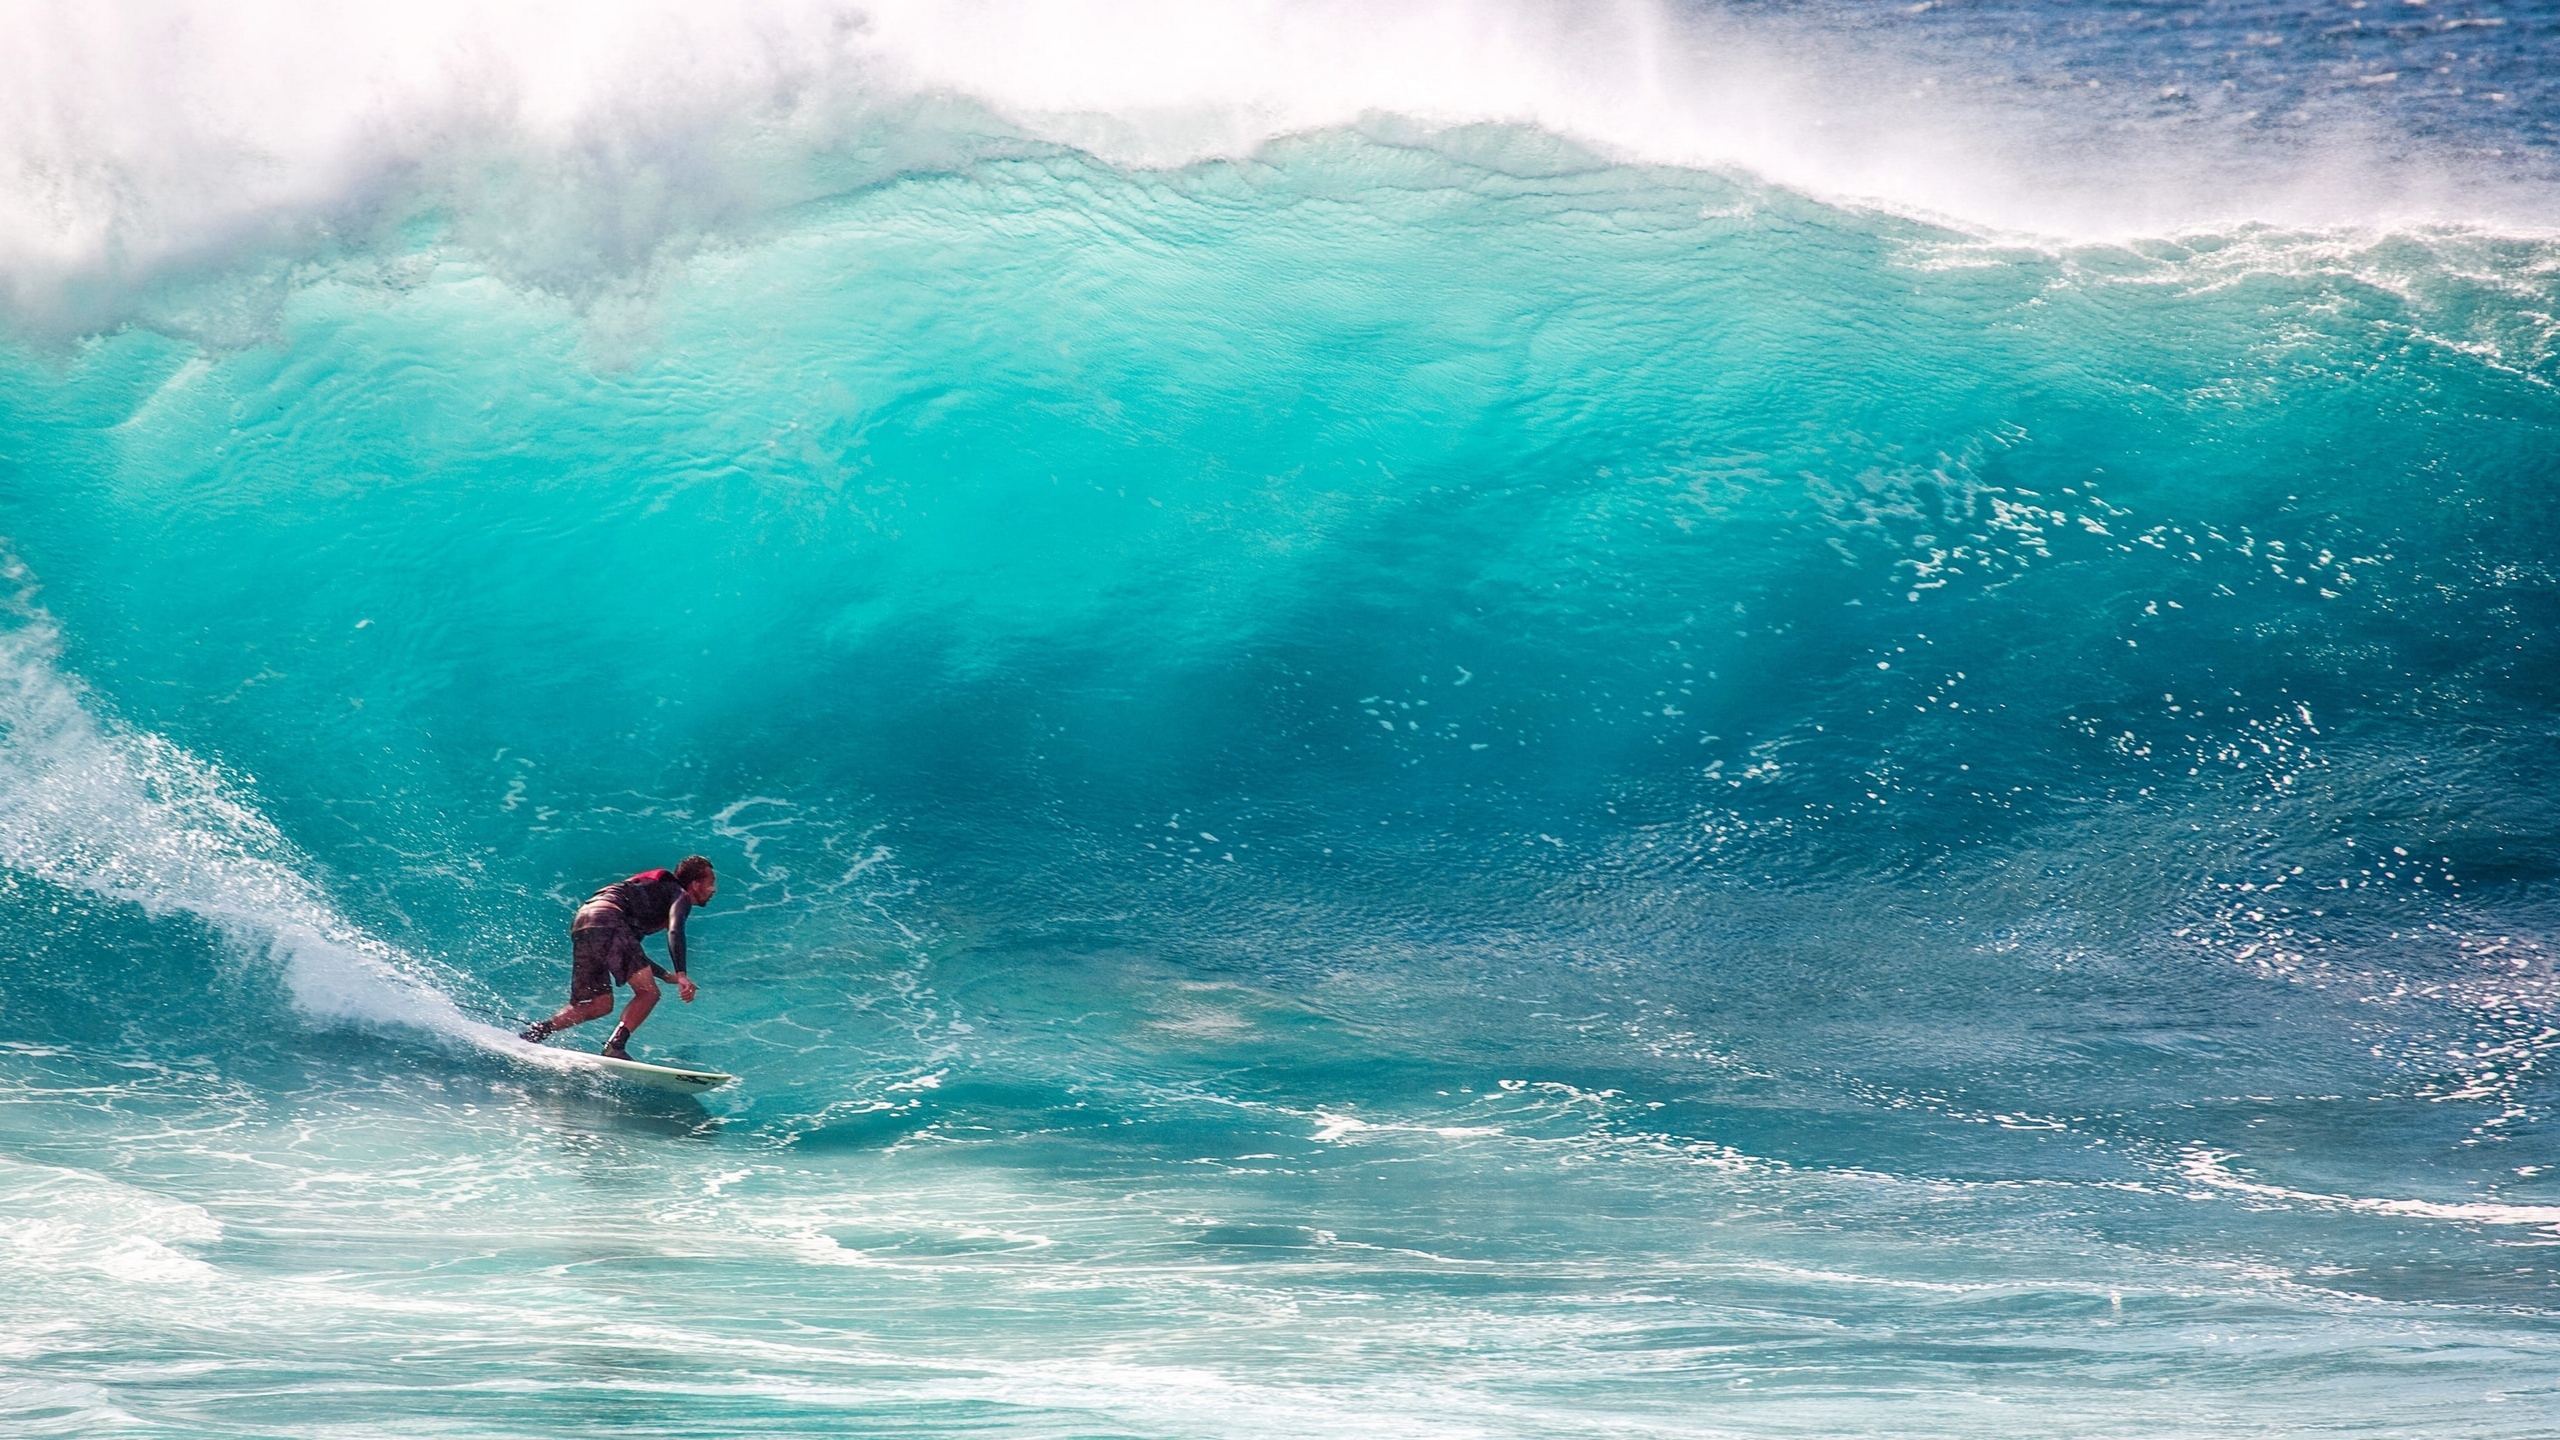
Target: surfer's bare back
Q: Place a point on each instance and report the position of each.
(604, 946)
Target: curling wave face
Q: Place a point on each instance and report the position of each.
(1416, 769)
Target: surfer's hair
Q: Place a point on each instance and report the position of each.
(691, 868)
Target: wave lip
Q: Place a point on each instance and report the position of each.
(573, 144)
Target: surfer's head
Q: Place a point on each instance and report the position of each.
(694, 874)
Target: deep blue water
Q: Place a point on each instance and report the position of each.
(1431, 774)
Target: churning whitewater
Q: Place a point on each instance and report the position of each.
(1758, 718)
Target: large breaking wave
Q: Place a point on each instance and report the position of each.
(1627, 683)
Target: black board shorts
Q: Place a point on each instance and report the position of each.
(601, 956)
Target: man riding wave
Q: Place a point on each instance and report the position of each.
(604, 948)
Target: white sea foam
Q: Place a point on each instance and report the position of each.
(1332, 1128)
(577, 138)
(64, 1221)
(2209, 1167)
(96, 806)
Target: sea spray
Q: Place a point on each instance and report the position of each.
(87, 804)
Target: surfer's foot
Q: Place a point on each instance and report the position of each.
(537, 1032)
(613, 1048)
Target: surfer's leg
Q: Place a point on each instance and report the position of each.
(590, 981)
(644, 998)
(578, 1012)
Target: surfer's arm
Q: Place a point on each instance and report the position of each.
(675, 944)
(675, 929)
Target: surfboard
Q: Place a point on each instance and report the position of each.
(679, 1079)
(656, 1077)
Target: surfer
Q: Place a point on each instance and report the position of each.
(604, 948)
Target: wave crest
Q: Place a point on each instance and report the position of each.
(569, 145)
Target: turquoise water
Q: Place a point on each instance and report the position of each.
(1417, 781)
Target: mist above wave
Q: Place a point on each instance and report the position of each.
(569, 147)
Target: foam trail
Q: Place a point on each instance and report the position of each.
(88, 805)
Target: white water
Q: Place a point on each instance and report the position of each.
(94, 806)
(570, 143)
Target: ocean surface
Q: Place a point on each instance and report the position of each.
(1755, 719)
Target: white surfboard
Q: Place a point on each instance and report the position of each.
(679, 1079)
(656, 1077)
